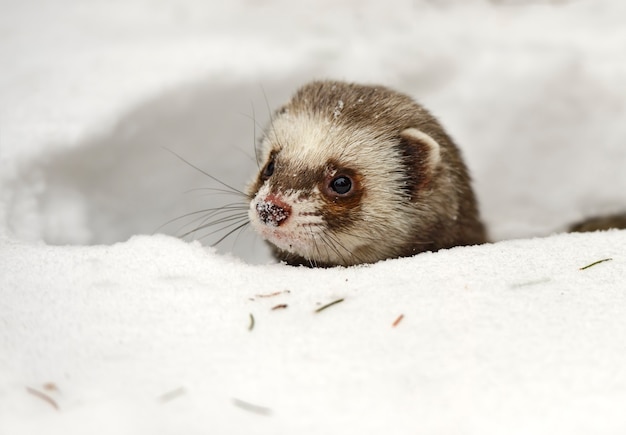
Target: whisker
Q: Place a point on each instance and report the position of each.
(312, 261)
(205, 222)
(237, 191)
(219, 222)
(255, 124)
(238, 228)
(210, 189)
(234, 219)
(230, 228)
(335, 244)
(179, 218)
(211, 211)
(279, 141)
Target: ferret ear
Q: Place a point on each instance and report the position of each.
(427, 148)
(422, 154)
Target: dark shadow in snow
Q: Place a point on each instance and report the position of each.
(125, 182)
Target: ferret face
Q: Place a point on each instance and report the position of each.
(337, 180)
(309, 194)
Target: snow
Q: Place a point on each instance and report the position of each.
(128, 331)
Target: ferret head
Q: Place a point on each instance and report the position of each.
(349, 175)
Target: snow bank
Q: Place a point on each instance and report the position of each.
(155, 335)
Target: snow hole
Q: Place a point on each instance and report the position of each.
(124, 182)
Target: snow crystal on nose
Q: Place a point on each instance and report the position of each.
(271, 214)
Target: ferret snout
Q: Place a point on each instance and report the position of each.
(273, 211)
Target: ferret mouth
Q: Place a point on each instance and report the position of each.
(286, 238)
(283, 239)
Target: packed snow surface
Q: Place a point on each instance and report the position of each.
(109, 323)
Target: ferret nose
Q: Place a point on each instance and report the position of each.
(272, 211)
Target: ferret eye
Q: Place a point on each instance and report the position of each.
(268, 170)
(341, 185)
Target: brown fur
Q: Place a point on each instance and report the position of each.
(600, 223)
(404, 199)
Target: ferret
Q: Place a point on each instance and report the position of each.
(356, 174)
